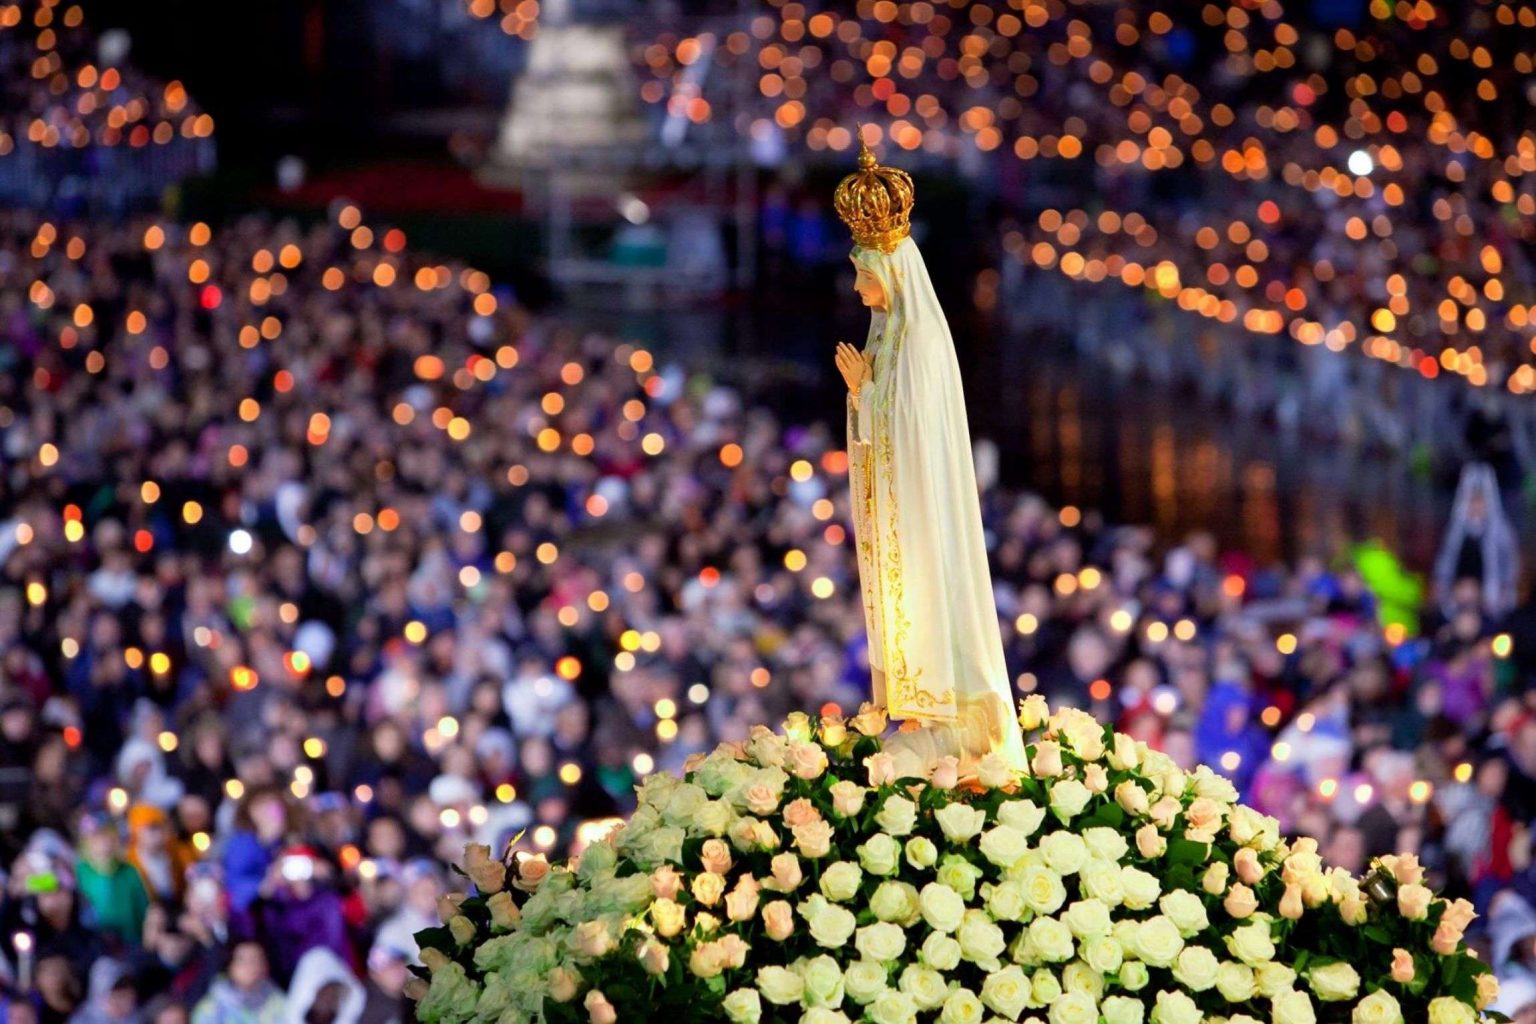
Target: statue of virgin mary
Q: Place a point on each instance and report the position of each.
(934, 644)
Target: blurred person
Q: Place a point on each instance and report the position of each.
(1479, 545)
(58, 989)
(298, 909)
(384, 997)
(262, 827)
(323, 991)
(160, 858)
(112, 997)
(109, 884)
(244, 993)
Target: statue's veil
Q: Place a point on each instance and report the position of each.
(938, 615)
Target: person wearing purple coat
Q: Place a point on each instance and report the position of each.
(300, 910)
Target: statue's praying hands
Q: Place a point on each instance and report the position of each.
(854, 365)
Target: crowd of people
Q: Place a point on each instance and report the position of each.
(323, 559)
(82, 128)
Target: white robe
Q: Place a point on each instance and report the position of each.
(934, 642)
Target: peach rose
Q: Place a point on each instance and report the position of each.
(1095, 778)
(562, 984)
(487, 874)
(693, 762)
(762, 798)
(1204, 814)
(946, 773)
(814, 838)
(1446, 938)
(733, 950)
(655, 957)
(1046, 763)
(1407, 869)
(833, 730)
(1246, 863)
(599, 1009)
(778, 920)
(1149, 842)
(1413, 901)
(800, 812)
(807, 760)
(591, 939)
(787, 875)
(847, 798)
(1459, 913)
(1402, 966)
(1164, 811)
(870, 721)
(666, 882)
(882, 768)
(741, 902)
(1290, 903)
(1240, 902)
(715, 855)
(531, 872)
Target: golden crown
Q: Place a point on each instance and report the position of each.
(875, 202)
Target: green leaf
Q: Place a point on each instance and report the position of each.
(1187, 851)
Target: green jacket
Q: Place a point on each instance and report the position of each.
(116, 896)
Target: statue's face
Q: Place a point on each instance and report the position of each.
(868, 287)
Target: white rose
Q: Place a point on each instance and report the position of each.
(1124, 754)
(960, 822)
(1293, 1007)
(921, 853)
(830, 925)
(940, 951)
(1075, 1008)
(897, 815)
(1043, 889)
(1158, 941)
(1068, 798)
(1049, 940)
(1175, 1008)
(1380, 1007)
(880, 855)
(1024, 815)
(1134, 976)
(1141, 887)
(743, 1006)
(1087, 918)
(1044, 987)
(895, 901)
(1273, 978)
(880, 941)
(892, 1007)
(1064, 852)
(1446, 1010)
(1077, 976)
(1005, 900)
(1185, 910)
(1212, 786)
(823, 1015)
(1006, 992)
(925, 985)
(1003, 845)
(1123, 1010)
(962, 1007)
(1334, 982)
(1103, 953)
(1106, 843)
(1083, 733)
(1101, 879)
(780, 985)
(941, 907)
(823, 982)
(1251, 943)
(1235, 982)
(864, 980)
(714, 818)
(980, 940)
(840, 882)
(1196, 968)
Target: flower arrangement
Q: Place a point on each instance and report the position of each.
(795, 878)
